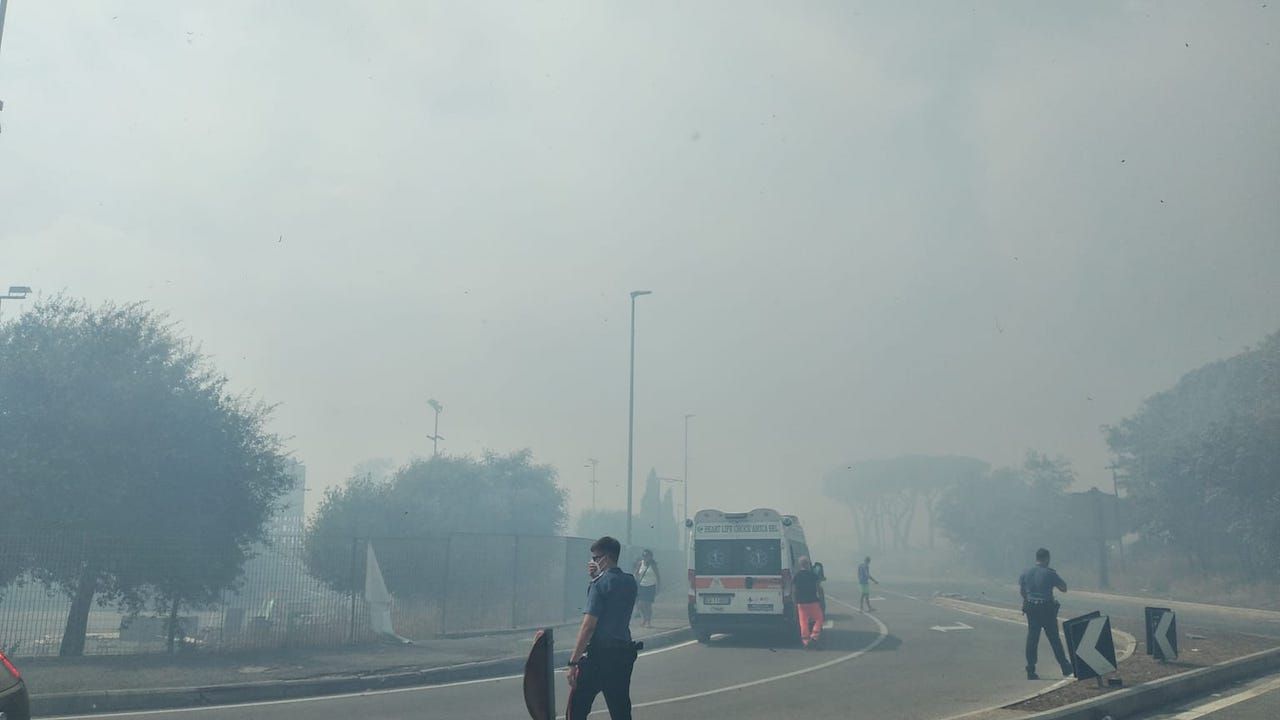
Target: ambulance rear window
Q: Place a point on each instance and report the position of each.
(738, 557)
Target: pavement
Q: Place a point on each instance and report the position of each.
(913, 659)
(53, 675)
(888, 664)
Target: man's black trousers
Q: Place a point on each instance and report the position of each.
(1043, 617)
(604, 671)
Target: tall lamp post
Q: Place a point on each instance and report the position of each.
(592, 463)
(631, 410)
(435, 438)
(16, 292)
(686, 480)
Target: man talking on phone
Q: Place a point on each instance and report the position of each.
(604, 654)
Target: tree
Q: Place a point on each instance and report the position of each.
(494, 494)
(996, 519)
(1201, 462)
(668, 532)
(377, 468)
(883, 495)
(598, 523)
(134, 473)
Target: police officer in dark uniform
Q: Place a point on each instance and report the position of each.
(1037, 586)
(604, 655)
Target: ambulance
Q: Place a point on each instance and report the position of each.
(740, 570)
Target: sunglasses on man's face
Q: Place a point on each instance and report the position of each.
(597, 558)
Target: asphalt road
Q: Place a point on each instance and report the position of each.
(1255, 700)
(889, 664)
(1127, 613)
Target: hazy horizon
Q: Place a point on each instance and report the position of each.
(869, 232)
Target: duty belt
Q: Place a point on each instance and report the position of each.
(614, 645)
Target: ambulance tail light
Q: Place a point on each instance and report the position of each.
(786, 582)
(693, 588)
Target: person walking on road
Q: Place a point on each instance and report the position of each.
(808, 603)
(864, 583)
(1037, 586)
(647, 578)
(604, 655)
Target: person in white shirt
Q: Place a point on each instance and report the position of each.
(647, 578)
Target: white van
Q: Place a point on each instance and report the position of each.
(740, 570)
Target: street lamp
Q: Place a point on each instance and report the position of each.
(16, 292)
(686, 479)
(435, 438)
(592, 463)
(631, 410)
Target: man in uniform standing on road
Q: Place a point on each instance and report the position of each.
(1037, 586)
(604, 655)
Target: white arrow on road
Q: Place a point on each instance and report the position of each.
(1088, 650)
(949, 628)
(1162, 636)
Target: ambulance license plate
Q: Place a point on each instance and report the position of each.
(724, 599)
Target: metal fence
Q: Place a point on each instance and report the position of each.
(300, 591)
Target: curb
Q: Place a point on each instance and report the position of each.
(107, 701)
(1164, 691)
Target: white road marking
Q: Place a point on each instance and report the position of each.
(883, 633)
(1215, 705)
(949, 628)
(1007, 615)
(321, 698)
(993, 613)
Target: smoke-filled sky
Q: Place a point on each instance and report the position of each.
(870, 229)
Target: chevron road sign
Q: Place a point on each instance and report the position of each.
(539, 677)
(1089, 643)
(1162, 633)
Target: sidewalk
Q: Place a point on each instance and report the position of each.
(48, 677)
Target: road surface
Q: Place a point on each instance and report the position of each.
(910, 660)
(889, 664)
(1255, 700)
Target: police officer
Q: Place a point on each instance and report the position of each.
(1037, 586)
(604, 654)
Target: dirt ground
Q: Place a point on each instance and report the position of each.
(1195, 651)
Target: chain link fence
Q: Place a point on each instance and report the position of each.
(298, 591)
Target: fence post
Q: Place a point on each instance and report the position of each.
(515, 577)
(444, 584)
(355, 547)
(564, 581)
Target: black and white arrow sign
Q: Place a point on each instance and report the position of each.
(1093, 652)
(1162, 633)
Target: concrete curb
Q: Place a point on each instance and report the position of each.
(105, 701)
(1165, 691)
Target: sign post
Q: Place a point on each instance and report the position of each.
(1090, 646)
(1162, 633)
